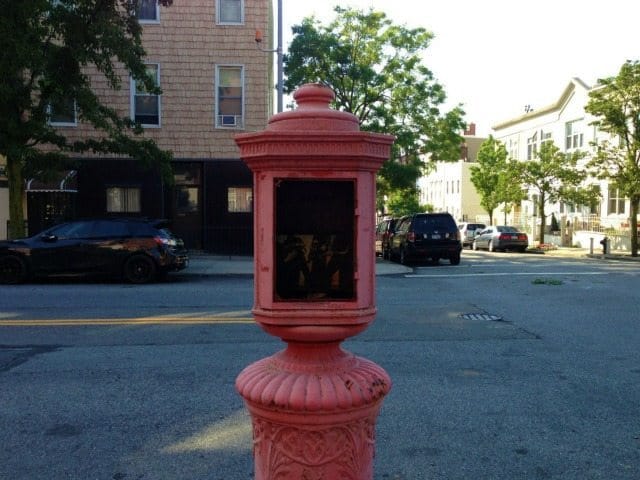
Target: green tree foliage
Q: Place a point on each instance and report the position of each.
(375, 69)
(554, 176)
(616, 105)
(486, 174)
(510, 189)
(405, 202)
(496, 178)
(47, 50)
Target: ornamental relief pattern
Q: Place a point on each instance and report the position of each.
(319, 148)
(342, 452)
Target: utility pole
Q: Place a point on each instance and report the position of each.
(279, 52)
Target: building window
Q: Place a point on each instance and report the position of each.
(513, 149)
(145, 106)
(239, 199)
(574, 138)
(230, 11)
(616, 201)
(147, 11)
(229, 97)
(123, 200)
(532, 146)
(63, 113)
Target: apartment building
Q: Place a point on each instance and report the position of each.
(215, 84)
(448, 187)
(566, 123)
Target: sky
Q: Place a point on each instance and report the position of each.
(497, 56)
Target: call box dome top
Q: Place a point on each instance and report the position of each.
(313, 113)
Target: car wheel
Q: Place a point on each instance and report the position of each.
(491, 247)
(454, 259)
(403, 257)
(474, 246)
(523, 249)
(139, 269)
(12, 270)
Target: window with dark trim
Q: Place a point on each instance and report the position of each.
(123, 200)
(239, 199)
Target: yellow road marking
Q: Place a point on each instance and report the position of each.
(59, 322)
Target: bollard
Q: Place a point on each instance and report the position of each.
(314, 405)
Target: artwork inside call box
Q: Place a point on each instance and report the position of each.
(315, 241)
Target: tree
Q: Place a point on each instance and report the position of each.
(554, 176)
(48, 48)
(375, 69)
(486, 175)
(405, 202)
(616, 105)
(496, 177)
(510, 190)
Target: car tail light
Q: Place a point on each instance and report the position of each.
(522, 236)
(163, 241)
(504, 237)
(411, 236)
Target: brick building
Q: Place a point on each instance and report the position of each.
(215, 84)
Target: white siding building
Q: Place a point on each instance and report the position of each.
(566, 123)
(449, 189)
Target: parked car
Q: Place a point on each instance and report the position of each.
(468, 231)
(384, 230)
(501, 237)
(137, 250)
(423, 236)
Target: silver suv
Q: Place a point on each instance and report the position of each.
(468, 232)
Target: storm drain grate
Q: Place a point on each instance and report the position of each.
(482, 316)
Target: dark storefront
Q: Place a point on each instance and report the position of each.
(210, 204)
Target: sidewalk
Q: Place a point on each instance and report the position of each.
(573, 252)
(203, 264)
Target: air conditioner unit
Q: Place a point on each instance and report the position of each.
(228, 120)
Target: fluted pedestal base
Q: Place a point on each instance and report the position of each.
(314, 408)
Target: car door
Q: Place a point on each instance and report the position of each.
(482, 238)
(106, 246)
(60, 249)
(400, 233)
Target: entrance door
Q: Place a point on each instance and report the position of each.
(187, 204)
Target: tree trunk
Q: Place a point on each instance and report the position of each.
(633, 223)
(543, 220)
(16, 198)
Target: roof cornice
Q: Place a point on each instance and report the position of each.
(557, 105)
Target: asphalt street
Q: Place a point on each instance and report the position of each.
(496, 374)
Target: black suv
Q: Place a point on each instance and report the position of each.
(424, 236)
(137, 250)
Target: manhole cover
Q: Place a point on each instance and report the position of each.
(482, 316)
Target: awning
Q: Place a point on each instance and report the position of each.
(64, 181)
